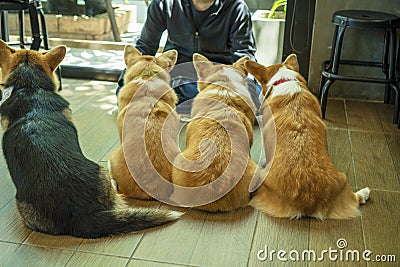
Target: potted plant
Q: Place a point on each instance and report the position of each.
(277, 4)
(268, 29)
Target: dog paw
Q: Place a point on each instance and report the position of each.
(363, 195)
(185, 118)
(263, 163)
(114, 184)
(109, 165)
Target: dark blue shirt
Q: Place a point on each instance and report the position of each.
(224, 35)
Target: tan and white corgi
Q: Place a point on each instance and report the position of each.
(218, 140)
(302, 179)
(142, 120)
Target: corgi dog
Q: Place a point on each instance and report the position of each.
(145, 102)
(217, 159)
(300, 179)
(59, 190)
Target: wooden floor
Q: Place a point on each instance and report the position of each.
(362, 142)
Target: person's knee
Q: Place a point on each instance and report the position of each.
(120, 82)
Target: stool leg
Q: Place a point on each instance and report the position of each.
(21, 29)
(33, 16)
(397, 72)
(385, 66)
(324, 96)
(43, 25)
(327, 65)
(4, 29)
(2, 21)
(396, 103)
(334, 42)
(321, 84)
(111, 16)
(334, 64)
(338, 50)
(392, 74)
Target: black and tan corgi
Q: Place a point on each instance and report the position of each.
(59, 190)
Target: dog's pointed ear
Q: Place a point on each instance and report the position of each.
(239, 65)
(5, 53)
(5, 48)
(130, 54)
(201, 64)
(257, 70)
(54, 56)
(168, 58)
(291, 61)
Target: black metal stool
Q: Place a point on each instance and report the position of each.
(363, 19)
(35, 10)
(36, 17)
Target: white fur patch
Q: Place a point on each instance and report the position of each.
(364, 194)
(286, 88)
(114, 184)
(109, 165)
(238, 81)
(174, 215)
(6, 93)
(289, 87)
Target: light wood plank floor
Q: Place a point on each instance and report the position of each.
(362, 142)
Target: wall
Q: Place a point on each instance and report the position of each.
(298, 32)
(367, 45)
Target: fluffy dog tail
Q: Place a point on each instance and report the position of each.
(122, 221)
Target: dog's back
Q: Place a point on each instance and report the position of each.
(146, 116)
(218, 140)
(302, 167)
(302, 180)
(59, 190)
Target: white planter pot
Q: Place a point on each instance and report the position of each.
(269, 37)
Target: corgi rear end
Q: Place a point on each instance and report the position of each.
(302, 179)
(218, 140)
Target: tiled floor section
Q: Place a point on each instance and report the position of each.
(362, 142)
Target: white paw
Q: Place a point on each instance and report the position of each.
(364, 194)
(114, 184)
(108, 165)
(175, 215)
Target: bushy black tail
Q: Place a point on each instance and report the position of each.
(122, 221)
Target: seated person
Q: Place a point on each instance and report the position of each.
(220, 30)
